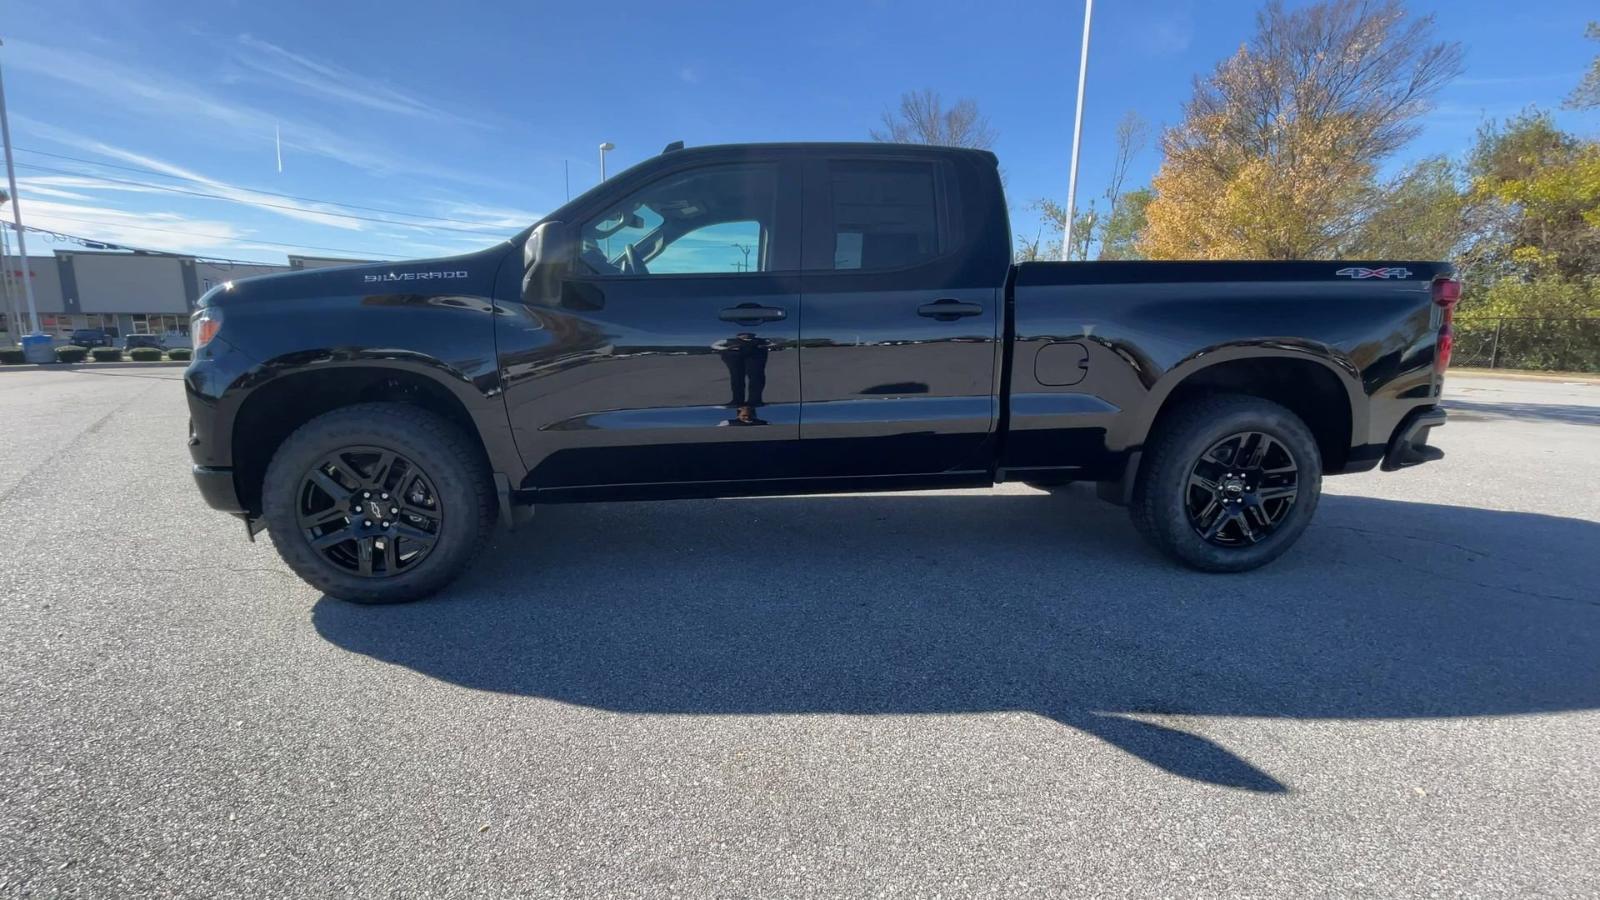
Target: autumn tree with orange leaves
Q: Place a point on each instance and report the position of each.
(1279, 152)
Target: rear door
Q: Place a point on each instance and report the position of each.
(900, 329)
(670, 353)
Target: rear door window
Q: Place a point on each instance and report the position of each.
(885, 214)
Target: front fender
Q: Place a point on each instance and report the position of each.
(446, 339)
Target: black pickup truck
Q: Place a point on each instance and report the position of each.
(796, 318)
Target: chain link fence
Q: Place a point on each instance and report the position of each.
(1507, 342)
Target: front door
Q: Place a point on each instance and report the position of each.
(670, 352)
(900, 328)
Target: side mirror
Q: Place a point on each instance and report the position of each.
(548, 253)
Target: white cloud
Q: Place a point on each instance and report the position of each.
(314, 78)
(147, 230)
(315, 213)
(193, 107)
(488, 216)
(1171, 34)
(49, 187)
(1515, 80)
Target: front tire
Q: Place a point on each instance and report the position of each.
(1228, 483)
(378, 502)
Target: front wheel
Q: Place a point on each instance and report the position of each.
(1228, 483)
(377, 503)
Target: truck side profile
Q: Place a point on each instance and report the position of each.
(797, 318)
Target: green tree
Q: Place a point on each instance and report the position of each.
(1535, 191)
(1089, 227)
(1119, 236)
(1422, 215)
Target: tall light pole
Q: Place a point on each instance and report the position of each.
(603, 148)
(16, 208)
(13, 320)
(1077, 133)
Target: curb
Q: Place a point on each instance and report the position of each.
(1517, 375)
(73, 367)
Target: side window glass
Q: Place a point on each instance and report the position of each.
(728, 247)
(718, 219)
(885, 214)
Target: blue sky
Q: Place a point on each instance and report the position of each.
(466, 112)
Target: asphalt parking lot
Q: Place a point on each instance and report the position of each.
(938, 694)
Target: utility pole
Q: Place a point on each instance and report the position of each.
(1077, 133)
(746, 250)
(16, 208)
(7, 284)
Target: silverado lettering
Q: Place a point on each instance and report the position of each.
(413, 276)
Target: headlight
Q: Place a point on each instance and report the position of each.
(204, 325)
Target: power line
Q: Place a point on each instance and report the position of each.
(219, 237)
(177, 190)
(145, 171)
(93, 244)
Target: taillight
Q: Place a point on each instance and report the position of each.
(1446, 293)
(204, 326)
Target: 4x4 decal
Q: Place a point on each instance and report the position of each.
(1385, 272)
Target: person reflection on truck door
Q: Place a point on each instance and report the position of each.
(745, 355)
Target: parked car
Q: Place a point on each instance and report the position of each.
(134, 341)
(89, 337)
(378, 419)
(172, 339)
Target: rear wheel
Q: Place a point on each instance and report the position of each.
(1228, 483)
(377, 503)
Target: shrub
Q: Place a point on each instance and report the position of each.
(106, 354)
(180, 354)
(145, 354)
(1547, 323)
(71, 354)
(12, 357)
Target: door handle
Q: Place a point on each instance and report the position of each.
(949, 310)
(752, 314)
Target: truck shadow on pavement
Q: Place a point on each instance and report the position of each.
(962, 603)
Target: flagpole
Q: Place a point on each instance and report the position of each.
(16, 210)
(1077, 133)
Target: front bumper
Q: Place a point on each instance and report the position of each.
(1409, 445)
(216, 488)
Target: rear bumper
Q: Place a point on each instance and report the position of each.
(216, 488)
(1409, 445)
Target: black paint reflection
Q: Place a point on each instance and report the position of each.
(745, 355)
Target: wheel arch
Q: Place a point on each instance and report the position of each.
(1322, 388)
(275, 408)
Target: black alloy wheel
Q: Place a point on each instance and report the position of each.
(370, 511)
(378, 502)
(1227, 482)
(1241, 489)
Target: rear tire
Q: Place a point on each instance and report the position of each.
(321, 499)
(1215, 490)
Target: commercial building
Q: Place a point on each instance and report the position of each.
(124, 293)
